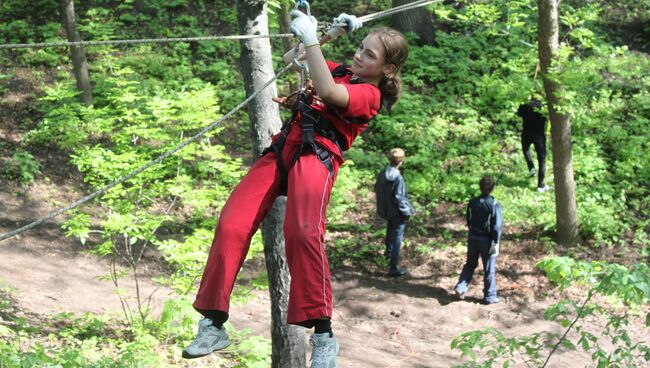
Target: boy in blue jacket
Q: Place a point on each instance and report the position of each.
(484, 222)
(393, 206)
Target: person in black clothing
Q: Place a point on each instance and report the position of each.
(534, 132)
(484, 221)
(393, 205)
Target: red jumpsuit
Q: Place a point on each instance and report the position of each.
(308, 191)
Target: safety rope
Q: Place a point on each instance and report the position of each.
(397, 9)
(196, 136)
(146, 166)
(138, 41)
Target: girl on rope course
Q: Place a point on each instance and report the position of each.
(301, 163)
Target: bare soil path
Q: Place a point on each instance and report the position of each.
(380, 321)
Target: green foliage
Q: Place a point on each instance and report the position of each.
(507, 351)
(614, 348)
(86, 341)
(251, 351)
(22, 167)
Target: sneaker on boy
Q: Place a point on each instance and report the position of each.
(209, 339)
(325, 350)
(460, 294)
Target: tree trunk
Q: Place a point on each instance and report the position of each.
(78, 54)
(416, 20)
(565, 190)
(288, 340)
(257, 68)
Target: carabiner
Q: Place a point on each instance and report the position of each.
(304, 3)
(302, 66)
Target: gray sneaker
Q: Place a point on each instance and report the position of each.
(532, 172)
(209, 339)
(325, 350)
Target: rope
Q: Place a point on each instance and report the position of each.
(138, 41)
(397, 9)
(146, 166)
(198, 135)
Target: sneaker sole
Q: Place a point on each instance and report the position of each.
(219, 346)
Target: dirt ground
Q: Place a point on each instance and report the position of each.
(379, 321)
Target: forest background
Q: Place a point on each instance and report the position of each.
(456, 122)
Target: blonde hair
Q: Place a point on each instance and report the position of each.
(396, 156)
(396, 51)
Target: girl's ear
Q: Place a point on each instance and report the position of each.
(388, 69)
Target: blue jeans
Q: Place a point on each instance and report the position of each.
(394, 236)
(479, 246)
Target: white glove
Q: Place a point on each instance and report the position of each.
(348, 22)
(494, 249)
(304, 27)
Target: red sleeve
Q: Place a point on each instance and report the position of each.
(331, 65)
(364, 101)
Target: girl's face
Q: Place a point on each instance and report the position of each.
(368, 62)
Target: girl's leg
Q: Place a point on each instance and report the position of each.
(240, 217)
(309, 187)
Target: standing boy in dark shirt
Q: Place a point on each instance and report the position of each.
(534, 133)
(393, 205)
(484, 222)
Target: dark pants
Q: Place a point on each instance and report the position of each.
(479, 247)
(394, 236)
(539, 142)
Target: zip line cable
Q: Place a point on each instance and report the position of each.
(138, 41)
(198, 135)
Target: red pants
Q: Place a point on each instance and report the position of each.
(308, 192)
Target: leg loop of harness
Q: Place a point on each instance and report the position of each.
(310, 122)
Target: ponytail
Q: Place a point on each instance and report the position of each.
(395, 52)
(391, 90)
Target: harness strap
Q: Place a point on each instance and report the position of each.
(312, 123)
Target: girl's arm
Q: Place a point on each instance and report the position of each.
(328, 90)
(289, 56)
(304, 27)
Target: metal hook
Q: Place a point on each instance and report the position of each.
(302, 66)
(304, 3)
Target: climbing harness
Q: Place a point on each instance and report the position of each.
(312, 123)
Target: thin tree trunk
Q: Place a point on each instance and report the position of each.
(288, 340)
(257, 68)
(565, 190)
(416, 20)
(78, 54)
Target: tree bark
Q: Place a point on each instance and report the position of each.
(288, 340)
(257, 68)
(416, 20)
(565, 190)
(78, 54)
